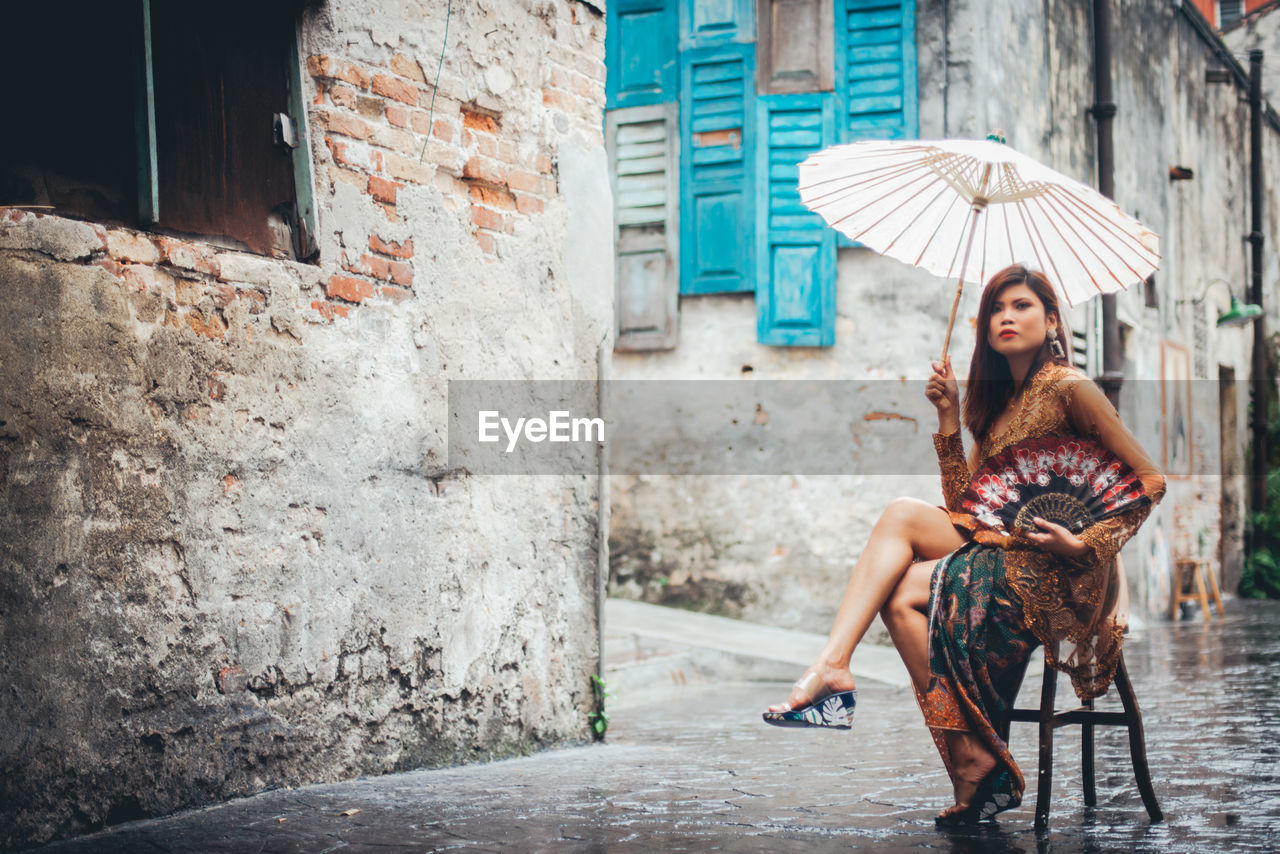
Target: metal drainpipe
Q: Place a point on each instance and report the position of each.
(1104, 112)
(1260, 390)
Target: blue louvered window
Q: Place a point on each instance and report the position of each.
(729, 96)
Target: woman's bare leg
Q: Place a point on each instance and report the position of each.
(907, 529)
(906, 617)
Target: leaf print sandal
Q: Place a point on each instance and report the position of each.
(832, 710)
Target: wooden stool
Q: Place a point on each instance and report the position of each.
(1199, 570)
(1087, 717)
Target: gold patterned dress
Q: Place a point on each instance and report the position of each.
(997, 597)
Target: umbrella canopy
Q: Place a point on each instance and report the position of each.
(936, 204)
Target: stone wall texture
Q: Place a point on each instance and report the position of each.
(779, 549)
(234, 554)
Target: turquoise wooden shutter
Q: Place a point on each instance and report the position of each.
(704, 23)
(876, 69)
(640, 53)
(796, 258)
(717, 140)
(643, 160)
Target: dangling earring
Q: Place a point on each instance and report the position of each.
(1055, 346)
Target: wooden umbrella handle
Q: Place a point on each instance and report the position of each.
(964, 263)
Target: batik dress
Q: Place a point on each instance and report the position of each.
(998, 597)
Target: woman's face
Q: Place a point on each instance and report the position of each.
(1018, 323)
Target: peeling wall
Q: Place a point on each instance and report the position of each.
(778, 549)
(235, 556)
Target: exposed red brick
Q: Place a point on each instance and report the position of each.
(354, 155)
(486, 218)
(543, 164)
(394, 294)
(408, 169)
(483, 143)
(230, 483)
(343, 96)
(441, 130)
(329, 309)
(213, 327)
(494, 197)
(321, 92)
(558, 100)
(327, 66)
(223, 294)
(508, 152)
(136, 248)
(257, 301)
(401, 273)
(139, 277)
(389, 211)
(379, 268)
(115, 268)
(390, 247)
(479, 120)
(482, 169)
(188, 256)
(346, 176)
(347, 288)
(526, 182)
(232, 680)
(383, 190)
(397, 115)
(406, 67)
(346, 125)
(528, 204)
(486, 242)
(391, 87)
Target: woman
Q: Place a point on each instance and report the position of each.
(965, 607)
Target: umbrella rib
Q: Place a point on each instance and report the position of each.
(1070, 244)
(1057, 274)
(926, 207)
(941, 222)
(1031, 233)
(1008, 232)
(1113, 228)
(857, 236)
(1110, 226)
(871, 179)
(982, 266)
(859, 179)
(1069, 215)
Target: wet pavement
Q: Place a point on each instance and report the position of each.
(706, 775)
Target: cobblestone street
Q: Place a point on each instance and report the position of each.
(708, 775)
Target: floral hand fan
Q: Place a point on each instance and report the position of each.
(1070, 481)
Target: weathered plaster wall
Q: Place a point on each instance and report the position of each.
(779, 549)
(234, 554)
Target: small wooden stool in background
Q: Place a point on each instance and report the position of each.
(1199, 570)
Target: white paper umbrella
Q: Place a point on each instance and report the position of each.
(966, 208)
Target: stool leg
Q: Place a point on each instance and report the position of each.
(1200, 591)
(1044, 790)
(1213, 588)
(1086, 761)
(1137, 742)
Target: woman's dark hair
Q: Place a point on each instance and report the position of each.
(990, 384)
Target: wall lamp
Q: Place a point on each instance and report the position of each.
(1240, 314)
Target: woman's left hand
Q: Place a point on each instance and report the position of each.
(1054, 538)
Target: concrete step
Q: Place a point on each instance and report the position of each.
(653, 652)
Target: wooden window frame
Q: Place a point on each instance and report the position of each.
(767, 81)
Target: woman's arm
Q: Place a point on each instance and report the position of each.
(944, 393)
(1094, 416)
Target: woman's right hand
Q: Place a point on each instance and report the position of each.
(944, 393)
